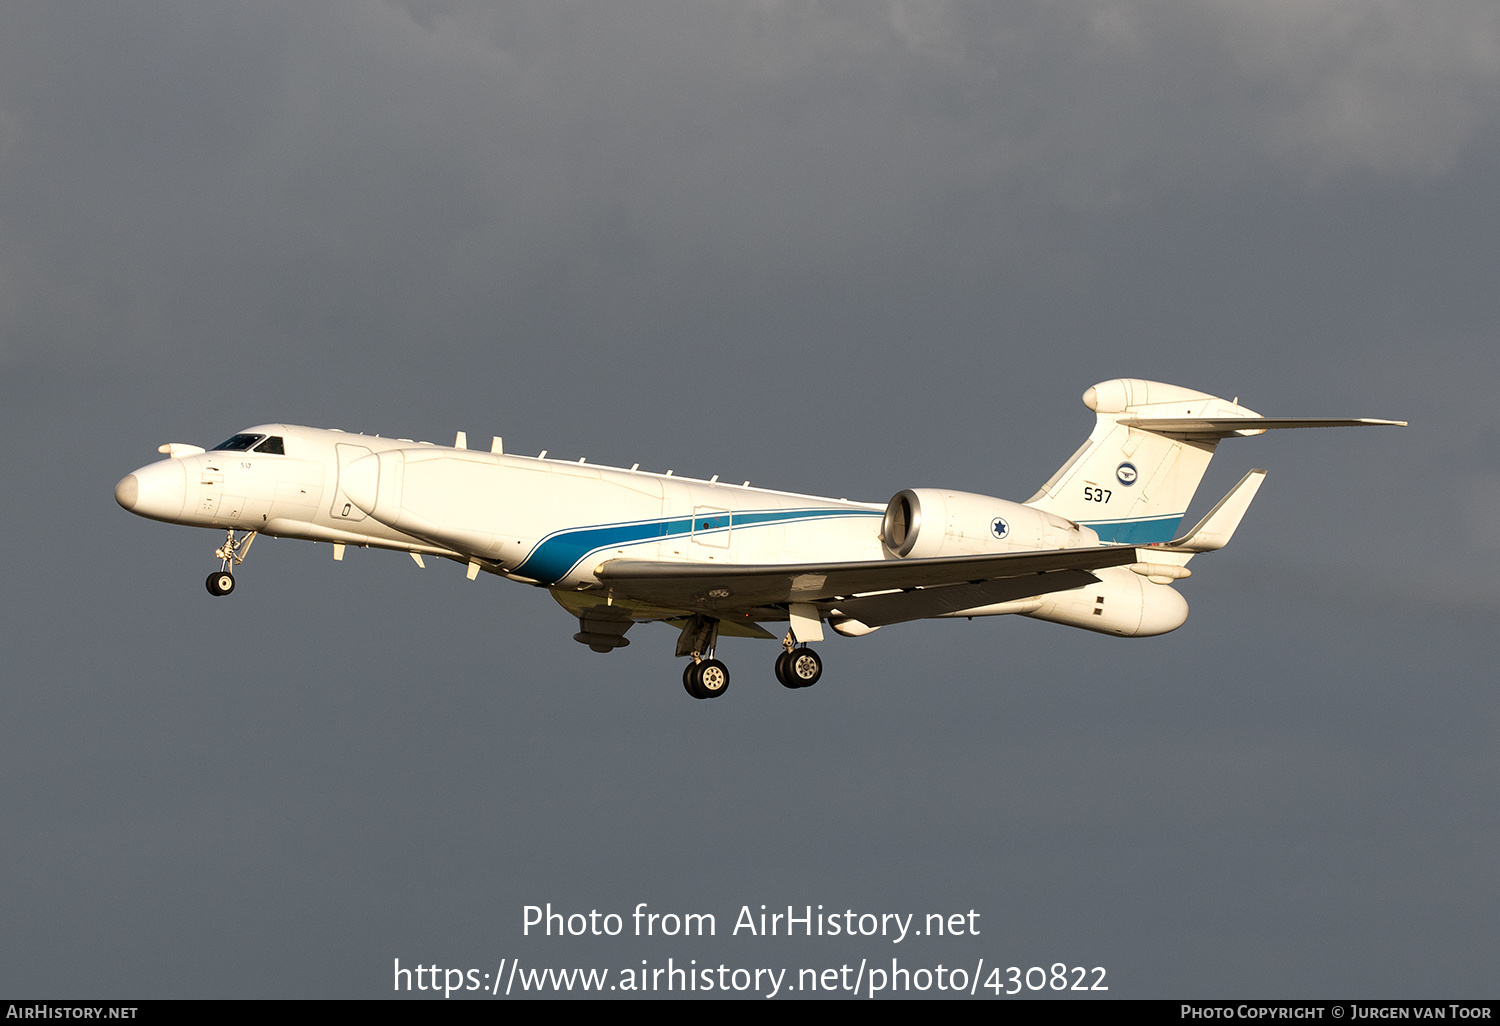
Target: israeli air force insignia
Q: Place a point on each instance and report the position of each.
(999, 528)
(1126, 473)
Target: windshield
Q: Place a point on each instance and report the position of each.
(239, 443)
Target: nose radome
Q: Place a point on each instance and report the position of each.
(158, 491)
(127, 491)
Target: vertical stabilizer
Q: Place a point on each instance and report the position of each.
(1132, 485)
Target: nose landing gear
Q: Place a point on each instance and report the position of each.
(231, 554)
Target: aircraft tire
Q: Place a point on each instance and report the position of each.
(220, 583)
(708, 679)
(784, 671)
(804, 666)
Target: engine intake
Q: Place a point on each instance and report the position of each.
(903, 522)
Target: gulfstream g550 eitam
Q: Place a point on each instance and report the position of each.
(1097, 547)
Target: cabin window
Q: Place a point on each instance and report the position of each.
(239, 443)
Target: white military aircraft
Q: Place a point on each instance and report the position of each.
(1097, 547)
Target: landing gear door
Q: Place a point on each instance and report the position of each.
(342, 508)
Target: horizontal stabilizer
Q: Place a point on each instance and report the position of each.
(1215, 530)
(1224, 427)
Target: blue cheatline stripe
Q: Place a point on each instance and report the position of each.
(561, 551)
(1136, 532)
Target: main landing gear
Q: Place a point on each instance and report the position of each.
(798, 668)
(706, 677)
(231, 554)
(709, 678)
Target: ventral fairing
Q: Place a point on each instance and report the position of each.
(1100, 546)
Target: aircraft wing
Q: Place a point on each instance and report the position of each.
(726, 586)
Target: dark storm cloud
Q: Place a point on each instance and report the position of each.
(486, 161)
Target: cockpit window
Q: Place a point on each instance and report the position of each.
(272, 445)
(239, 443)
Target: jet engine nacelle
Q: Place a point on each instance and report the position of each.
(922, 522)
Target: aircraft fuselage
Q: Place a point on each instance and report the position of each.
(532, 519)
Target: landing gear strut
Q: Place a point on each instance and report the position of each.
(702, 677)
(231, 554)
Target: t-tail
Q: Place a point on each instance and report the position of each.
(1132, 481)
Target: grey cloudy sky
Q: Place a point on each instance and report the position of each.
(843, 248)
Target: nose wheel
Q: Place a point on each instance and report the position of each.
(231, 554)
